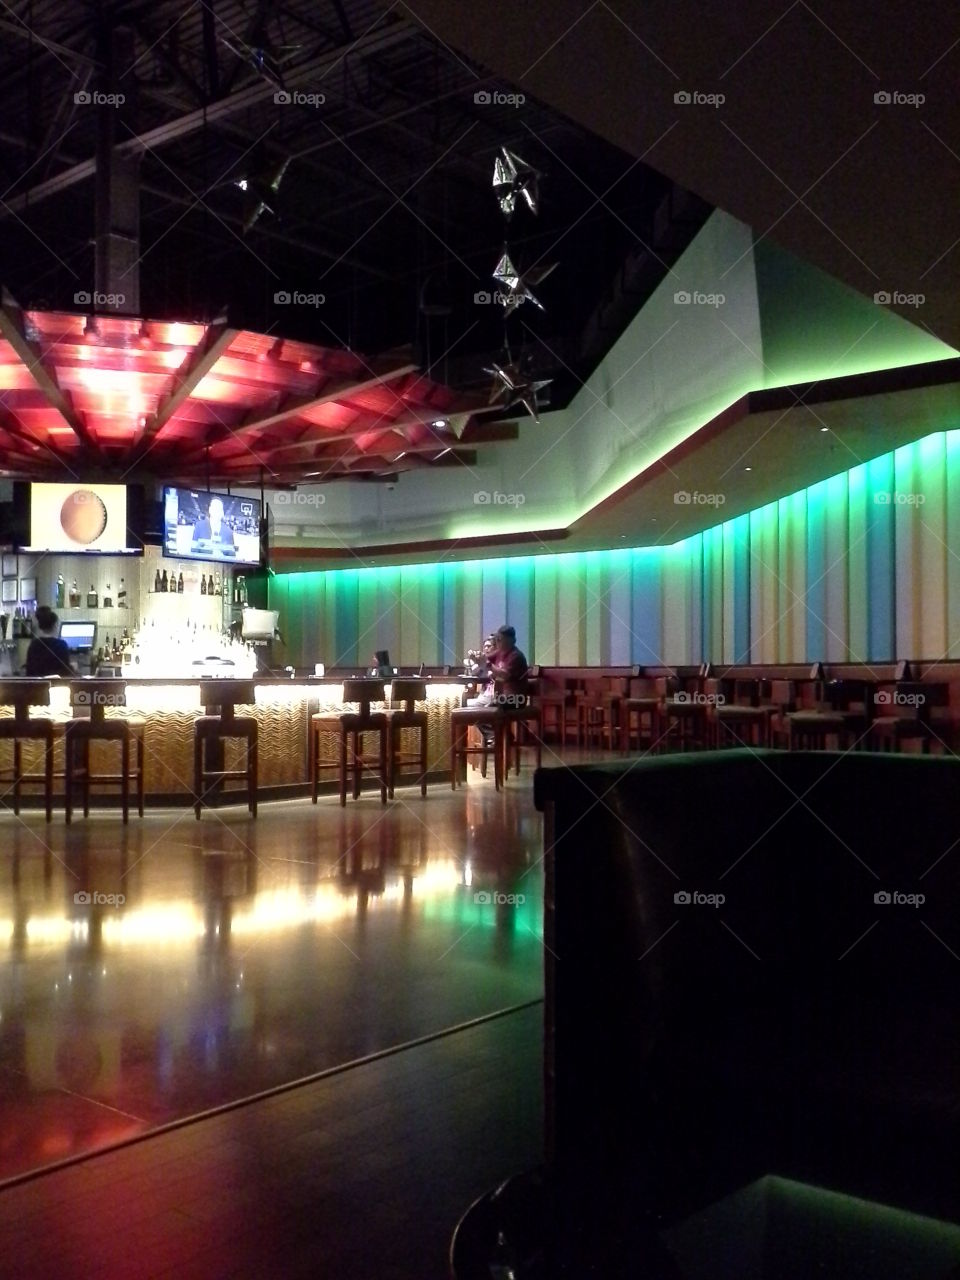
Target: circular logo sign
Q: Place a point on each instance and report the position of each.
(83, 517)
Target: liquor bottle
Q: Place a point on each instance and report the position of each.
(108, 597)
(180, 583)
(92, 597)
(74, 595)
(61, 596)
(122, 596)
(15, 633)
(156, 582)
(219, 586)
(163, 582)
(203, 585)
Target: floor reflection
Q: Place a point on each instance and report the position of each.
(156, 970)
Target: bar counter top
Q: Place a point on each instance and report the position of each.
(283, 707)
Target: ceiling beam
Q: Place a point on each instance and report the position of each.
(343, 390)
(31, 356)
(215, 342)
(252, 95)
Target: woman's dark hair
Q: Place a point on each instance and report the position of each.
(508, 633)
(46, 618)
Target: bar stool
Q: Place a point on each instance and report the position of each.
(211, 731)
(409, 692)
(350, 726)
(461, 721)
(22, 694)
(95, 696)
(523, 732)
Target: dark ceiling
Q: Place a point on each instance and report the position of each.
(385, 205)
(800, 149)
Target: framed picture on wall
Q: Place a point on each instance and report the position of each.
(28, 591)
(8, 591)
(9, 565)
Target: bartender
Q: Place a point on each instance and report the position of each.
(48, 655)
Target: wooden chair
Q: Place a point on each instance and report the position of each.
(21, 695)
(905, 714)
(684, 711)
(94, 697)
(211, 731)
(740, 719)
(409, 692)
(349, 728)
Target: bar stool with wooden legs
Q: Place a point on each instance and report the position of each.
(462, 719)
(210, 732)
(349, 728)
(94, 696)
(523, 732)
(21, 695)
(409, 692)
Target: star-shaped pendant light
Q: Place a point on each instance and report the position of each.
(516, 284)
(513, 178)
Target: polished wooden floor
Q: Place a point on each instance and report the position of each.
(358, 1176)
(247, 954)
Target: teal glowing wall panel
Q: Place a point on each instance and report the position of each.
(646, 609)
(519, 606)
(740, 549)
(952, 541)
(618, 606)
(881, 566)
(815, 597)
(864, 566)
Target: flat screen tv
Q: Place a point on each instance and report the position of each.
(84, 517)
(78, 636)
(199, 525)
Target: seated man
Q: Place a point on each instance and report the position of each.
(509, 671)
(509, 666)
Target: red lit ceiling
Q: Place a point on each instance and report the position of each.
(203, 403)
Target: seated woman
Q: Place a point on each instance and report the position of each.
(483, 670)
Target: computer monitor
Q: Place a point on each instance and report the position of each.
(79, 637)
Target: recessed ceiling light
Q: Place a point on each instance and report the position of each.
(824, 428)
(439, 423)
(748, 468)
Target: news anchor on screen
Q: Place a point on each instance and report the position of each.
(213, 530)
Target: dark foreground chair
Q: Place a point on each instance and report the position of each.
(751, 970)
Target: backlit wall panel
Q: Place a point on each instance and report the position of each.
(862, 567)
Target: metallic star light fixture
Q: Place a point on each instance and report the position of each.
(516, 284)
(512, 384)
(513, 177)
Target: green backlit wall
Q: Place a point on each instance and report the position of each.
(862, 567)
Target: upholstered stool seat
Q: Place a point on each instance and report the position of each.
(211, 731)
(96, 696)
(408, 692)
(21, 695)
(349, 728)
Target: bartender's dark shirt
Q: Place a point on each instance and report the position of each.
(510, 672)
(48, 656)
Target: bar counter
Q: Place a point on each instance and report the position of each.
(283, 708)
